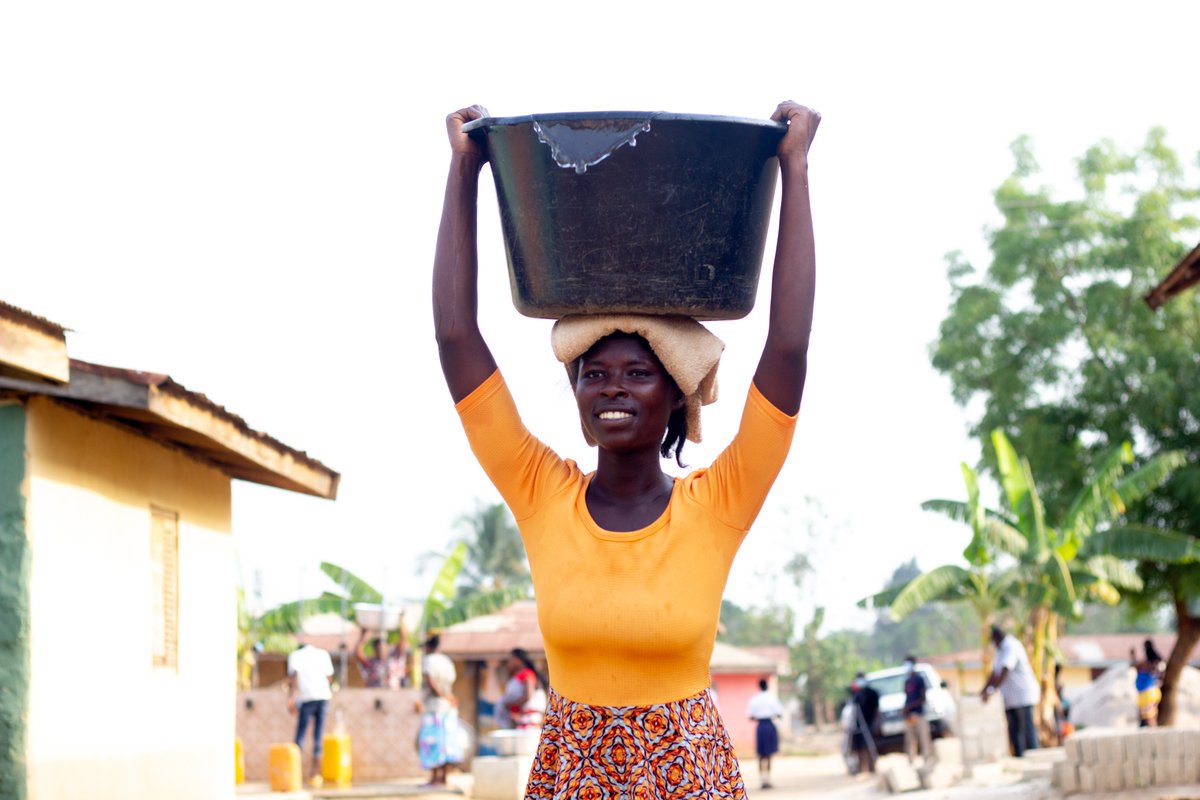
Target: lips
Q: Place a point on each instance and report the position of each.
(615, 414)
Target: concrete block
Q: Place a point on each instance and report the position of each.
(1110, 749)
(948, 750)
(1064, 776)
(940, 775)
(1087, 777)
(972, 749)
(1129, 775)
(1088, 750)
(1144, 771)
(1074, 748)
(1110, 777)
(1173, 741)
(896, 774)
(500, 777)
(1191, 767)
(1167, 771)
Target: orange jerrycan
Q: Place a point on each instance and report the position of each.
(283, 767)
(239, 768)
(335, 758)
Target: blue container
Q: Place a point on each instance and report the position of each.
(626, 211)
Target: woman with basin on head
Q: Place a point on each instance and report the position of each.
(629, 564)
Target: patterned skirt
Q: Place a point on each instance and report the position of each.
(669, 750)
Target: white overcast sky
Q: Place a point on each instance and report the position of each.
(245, 195)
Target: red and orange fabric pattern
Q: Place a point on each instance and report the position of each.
(676, 750)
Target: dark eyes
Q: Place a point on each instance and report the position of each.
(593, 374)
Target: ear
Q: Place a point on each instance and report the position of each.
(679, 400)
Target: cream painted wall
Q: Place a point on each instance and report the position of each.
(103, 722)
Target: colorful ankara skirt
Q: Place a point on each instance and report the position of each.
(666, 751)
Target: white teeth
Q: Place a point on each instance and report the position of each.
(615, 415)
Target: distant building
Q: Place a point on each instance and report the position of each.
(118, 586)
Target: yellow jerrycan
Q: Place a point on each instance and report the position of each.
(335, 754)
(283, 767)
(239, 764)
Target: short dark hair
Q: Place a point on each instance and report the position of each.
(911, 657)
(762, 684)
(433, 641)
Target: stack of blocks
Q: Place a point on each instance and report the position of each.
(1113, 760)
(503, 776)
(982, 729)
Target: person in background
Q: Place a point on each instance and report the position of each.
(866, 722)
(764, 708)
(1013, 676)
(379, 672)
(523, 705)
(310, 678)
(439, 742)
(1148, 682)
(916, 724)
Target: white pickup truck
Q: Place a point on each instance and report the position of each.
(889, 683)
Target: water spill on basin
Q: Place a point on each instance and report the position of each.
(579, 144)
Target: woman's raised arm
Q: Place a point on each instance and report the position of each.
(466, 359)
(784, 363)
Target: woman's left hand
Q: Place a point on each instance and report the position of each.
(802, 127)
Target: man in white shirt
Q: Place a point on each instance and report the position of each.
(1013, 676)
(764, 708)
(310, 673)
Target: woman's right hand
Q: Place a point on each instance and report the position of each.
(461, 143)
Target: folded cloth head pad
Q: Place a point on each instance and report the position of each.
(689, 352)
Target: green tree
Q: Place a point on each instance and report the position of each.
(495, 553)
(983, 583)
(1053, 344)
(931, 629)
(825, 666)
(747, 627)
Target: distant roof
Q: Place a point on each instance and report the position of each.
(1184, 275)
(31, 348)
(777, 653)
(1084, 650)
(155, 406)
(495, 635)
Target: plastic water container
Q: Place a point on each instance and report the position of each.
(335, 758)
(239, 763)
(283, 767)
(629, 211)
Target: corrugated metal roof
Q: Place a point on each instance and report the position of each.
(31, 319)
(155, 406)
(1184, 275)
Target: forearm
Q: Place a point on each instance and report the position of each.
(783, 368)
(793, 278)
(466, 360)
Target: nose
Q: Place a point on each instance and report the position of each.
(613, 386)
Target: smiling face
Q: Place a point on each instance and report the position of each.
(624, 394)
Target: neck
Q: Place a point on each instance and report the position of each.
(630, 475)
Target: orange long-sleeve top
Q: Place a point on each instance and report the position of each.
(627, 618)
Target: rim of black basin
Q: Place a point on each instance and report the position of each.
(631, 116)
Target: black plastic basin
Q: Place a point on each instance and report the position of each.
(626, 211)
